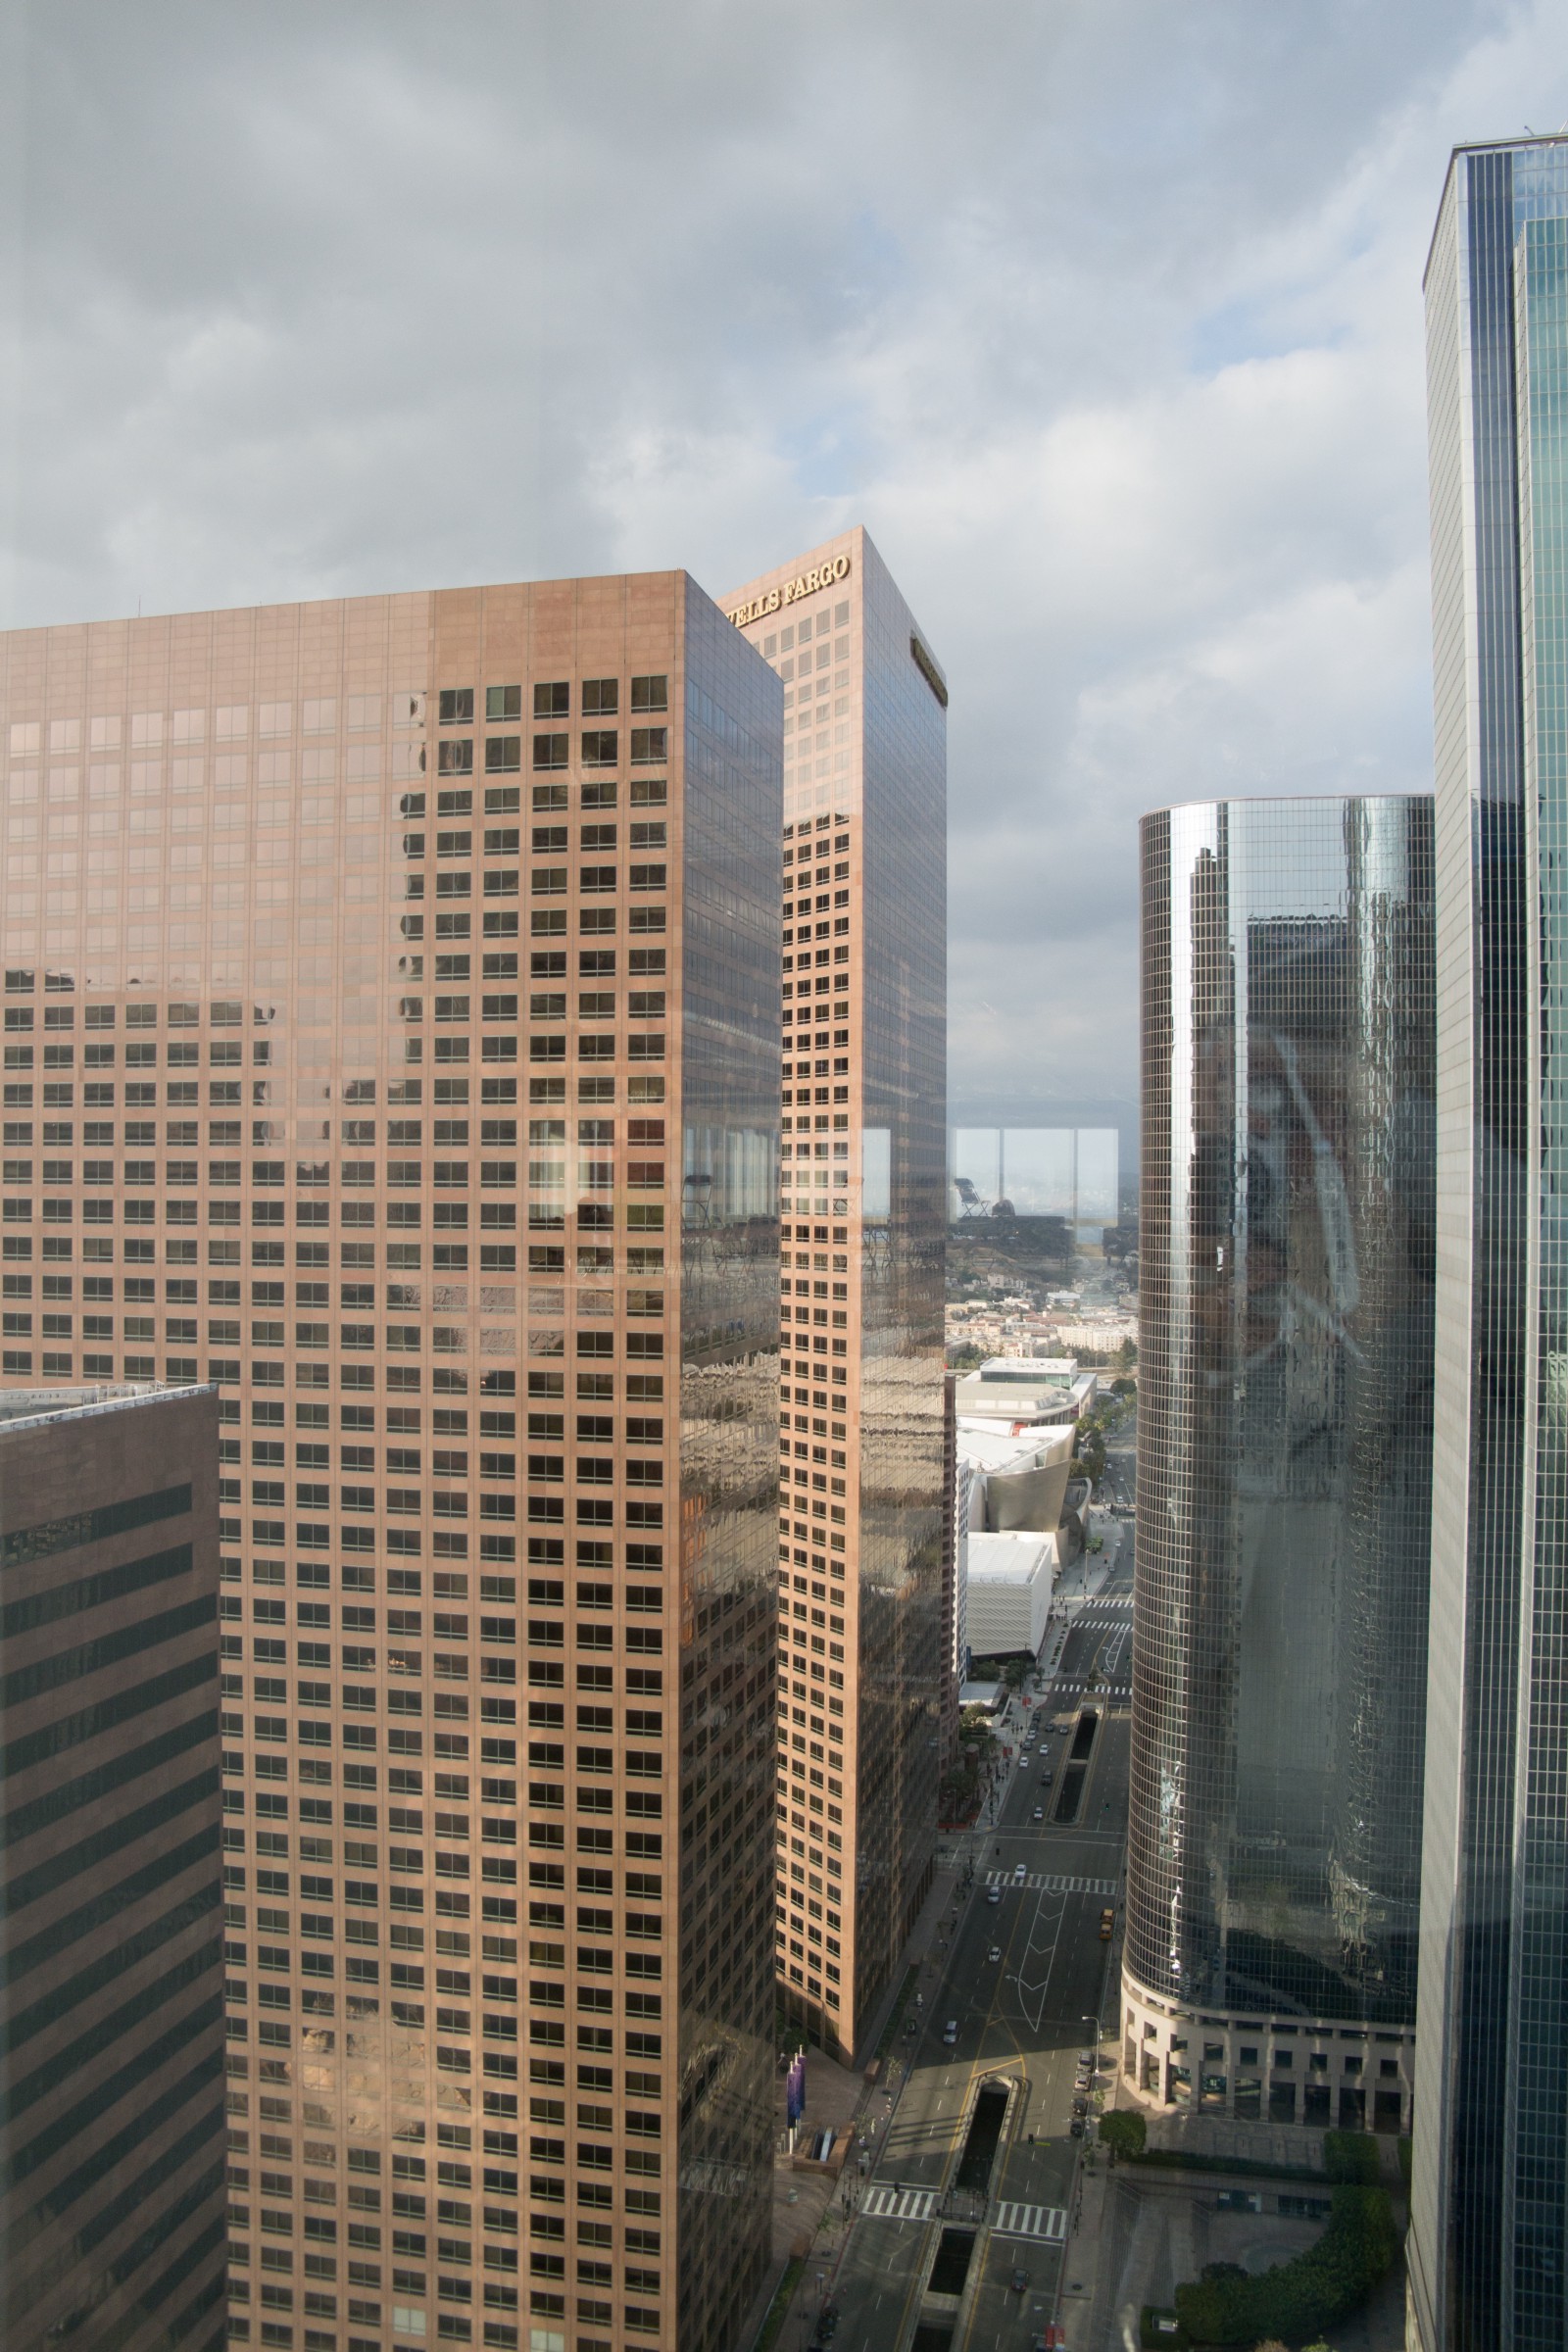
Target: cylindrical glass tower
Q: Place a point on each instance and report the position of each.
(1285, 1446)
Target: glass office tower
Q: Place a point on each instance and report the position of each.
(1284, 1459)
(861, 1500)
(1489, 2237)
(391, 1038)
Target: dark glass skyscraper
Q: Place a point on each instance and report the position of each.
(1487, 2262)
(1279, 1643)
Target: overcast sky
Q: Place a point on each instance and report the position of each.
(1104, 317)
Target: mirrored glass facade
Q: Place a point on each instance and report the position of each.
(1284, 1455)
(1488, 2255)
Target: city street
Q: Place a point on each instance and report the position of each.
(1020, 2024)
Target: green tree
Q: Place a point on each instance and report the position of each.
(1090, 1449)
(1124, 2132)
(1351, 2156)
(1296, 2299)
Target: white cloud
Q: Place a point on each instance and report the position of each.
(1104, 318)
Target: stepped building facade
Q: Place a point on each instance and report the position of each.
(391, 1039)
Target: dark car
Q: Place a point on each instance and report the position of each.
(1018, 2281)
(1077, 2127)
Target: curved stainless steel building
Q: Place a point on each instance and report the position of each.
(1285, 1445)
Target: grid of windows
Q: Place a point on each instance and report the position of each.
(112, 2131)
(389, 1098)
(1490, 2191)
(1284, 1416)
(861, 1278)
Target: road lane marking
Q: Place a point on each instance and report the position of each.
(896, 2203)
(1039, 1880)
(1044, 2222)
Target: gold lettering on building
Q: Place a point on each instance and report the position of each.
(806, 583)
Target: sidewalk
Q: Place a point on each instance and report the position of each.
(808, 2217)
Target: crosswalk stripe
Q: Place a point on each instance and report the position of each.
(1044, 2221)
(1040, 1880)
(897, 2204)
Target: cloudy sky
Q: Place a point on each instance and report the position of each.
(1104, 315)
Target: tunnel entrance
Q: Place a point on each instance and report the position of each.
(1070, 1796)
(980, 2143)
(952, 2265)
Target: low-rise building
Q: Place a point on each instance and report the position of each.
(1025, 1392)
(1012, 1486)
(111, 2074)
(1011, 1578)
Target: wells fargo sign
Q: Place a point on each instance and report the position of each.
(790, 593)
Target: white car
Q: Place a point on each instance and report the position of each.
(950, 2031)
(1020, 1873)
(993, 1894)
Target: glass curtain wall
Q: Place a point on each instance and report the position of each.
(1285, 1407)
(1488, 2258)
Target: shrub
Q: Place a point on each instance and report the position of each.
(1124, 2132)
(1350, 2156)
(1298, 2299)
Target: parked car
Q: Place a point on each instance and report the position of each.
(1077, 2127)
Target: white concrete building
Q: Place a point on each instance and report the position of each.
(1011, 1578)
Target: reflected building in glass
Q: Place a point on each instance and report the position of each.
(1285, 1435)
(863, 1506)
(391, 1039)
(1488, 2247)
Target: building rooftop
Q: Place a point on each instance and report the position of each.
(988, 1449)
(1011, 1559)
(47, 1404)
